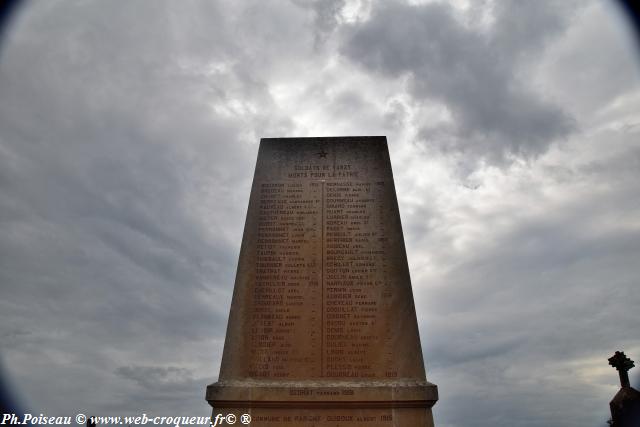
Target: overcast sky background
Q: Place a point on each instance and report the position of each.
(128, 138)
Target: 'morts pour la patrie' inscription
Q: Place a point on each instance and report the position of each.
(323, 171)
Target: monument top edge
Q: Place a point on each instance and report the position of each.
(326, 138)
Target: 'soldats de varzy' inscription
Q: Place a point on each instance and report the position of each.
(322, 328)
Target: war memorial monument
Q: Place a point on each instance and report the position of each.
(322, 328)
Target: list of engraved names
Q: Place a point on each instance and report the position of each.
(322, 291)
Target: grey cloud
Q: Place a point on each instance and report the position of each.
(326, 17)
(14, 336)
(166, 386)
(512, 313)
(153, 377)
(477, 75)
(525, 28)
(395, 115)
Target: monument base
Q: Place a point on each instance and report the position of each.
(304, 417)
(326, 403)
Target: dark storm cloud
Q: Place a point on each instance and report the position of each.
(112, 158)
(479, 75)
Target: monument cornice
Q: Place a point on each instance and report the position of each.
(396, 393)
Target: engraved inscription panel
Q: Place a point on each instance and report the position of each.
(323, 278)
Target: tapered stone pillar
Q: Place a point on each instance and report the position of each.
(322, 329)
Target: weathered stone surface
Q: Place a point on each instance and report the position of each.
(322, 329)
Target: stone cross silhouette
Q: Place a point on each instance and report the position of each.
(622, 363)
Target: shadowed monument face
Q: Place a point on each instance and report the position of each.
(322, 329)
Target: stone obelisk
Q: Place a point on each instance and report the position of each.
(322, 329)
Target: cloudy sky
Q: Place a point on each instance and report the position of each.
(128, 137)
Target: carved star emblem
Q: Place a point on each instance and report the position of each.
(322, 154)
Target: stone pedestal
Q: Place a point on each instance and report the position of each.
(322, 329)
